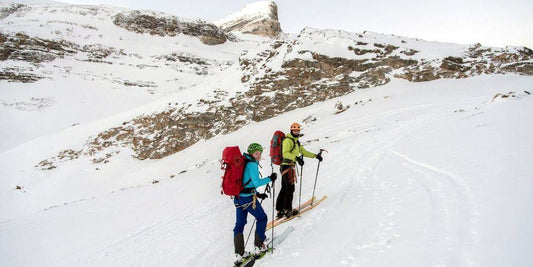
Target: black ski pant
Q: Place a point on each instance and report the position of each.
(286, 194)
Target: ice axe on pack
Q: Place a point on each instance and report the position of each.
(317, 169)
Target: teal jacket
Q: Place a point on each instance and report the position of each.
(251, 177)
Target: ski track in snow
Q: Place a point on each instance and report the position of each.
(169, 231)
(381, 190)
(454, 211)
(451, 219)
(386, 205)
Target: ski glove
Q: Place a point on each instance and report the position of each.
(319, 157)
(261, 195)
(300, 160)
(273, 177)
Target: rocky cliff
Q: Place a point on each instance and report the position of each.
(143, 22)
(286, 75)
(260, 18)
(206, 90)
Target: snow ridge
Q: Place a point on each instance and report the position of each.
(252, 12)
(260, 18)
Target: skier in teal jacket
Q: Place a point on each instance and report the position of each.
(247, 202)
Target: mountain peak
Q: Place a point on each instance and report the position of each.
(259, 18)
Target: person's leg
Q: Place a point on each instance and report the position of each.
(280, 202)
(238, 242)
(281, 198)
(240, 222)
(261, 222)
(289, 189)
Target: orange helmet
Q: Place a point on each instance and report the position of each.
(295, 126)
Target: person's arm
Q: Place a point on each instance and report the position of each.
(306, 153)
(253, 172)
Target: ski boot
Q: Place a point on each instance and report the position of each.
(290, 213)
(280, 214)
(240, 259)
(260, 250)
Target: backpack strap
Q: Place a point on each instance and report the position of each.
(247, 190)
(294, 142)
(245, 184)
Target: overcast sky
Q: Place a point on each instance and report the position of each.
(489, 22)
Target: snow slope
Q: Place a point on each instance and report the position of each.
(418, 174)
(135, 73)
(116, 74)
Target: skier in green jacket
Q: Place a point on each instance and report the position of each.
(292, 152)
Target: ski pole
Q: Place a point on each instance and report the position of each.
(300, 193)
(273, 206)
(316, 177)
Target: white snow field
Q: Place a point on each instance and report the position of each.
(433, 173)
(418, 174)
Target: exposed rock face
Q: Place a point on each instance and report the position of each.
(169, 26)
(18, 75)
(277, 75)
(19, 47)
(9, 8)
(319, 75)
(259, 18)
(298, 83)
(164, 133)
(23, 48)
(312, 74)
(476, 61)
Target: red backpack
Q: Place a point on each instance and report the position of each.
(276, 151)
(233, 163)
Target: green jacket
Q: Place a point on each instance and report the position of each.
(290, 152)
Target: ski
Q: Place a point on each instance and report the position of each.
(304, 208)
(276, 222)
(250, 261)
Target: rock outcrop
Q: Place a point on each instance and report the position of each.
(307, 73)
(21, 47)
(142, 22)
(475, 61)
(260, 18)
(298, 83)
(7, 9)
(277, 75)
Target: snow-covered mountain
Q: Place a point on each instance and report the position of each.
(198, 72)
(259, 18)
(113, 122)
